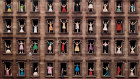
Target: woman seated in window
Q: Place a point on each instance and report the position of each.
(35, 8)
(8, 47)
(119, 7)
(105, 26)
(119, 26)
(132, 26)
(90, 5)
(105, 7)
(8, 7)
(50, 70)
(132, 7)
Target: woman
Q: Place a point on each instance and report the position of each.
(8, 48)
(63, 47)
(132, 26)
(50, 70)
(64, 8)
(21, 8)
(119, 26)
(132, 71)
(35, 72)
(77, 49)
(119, 50)
(105, 7)
(77, 7)
(132, 8)
(107, 71)
(21, 71)
(90, 71)
(21, 27)
(132, 50)
(35, 47)
(90, 5)
(118, 70)
(21, 47)
(8, 7)
(64, 25)
(50, 26)
(50, 47)
(50, 7)
(8, 28)
(77, 70)
(105, 47)
(119, 8)
(90, 27)
(77, 26)
(105, 27)
(7, 71)
(90, 48)
(35, 28)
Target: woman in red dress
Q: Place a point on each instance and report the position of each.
(118, 70)
(119, 26)
(90, 71)
(63, 8)
(63, 47)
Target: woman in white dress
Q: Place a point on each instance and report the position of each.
(8, 48)
(119, 49)
(105, 28)
(90, 27)
(132, 50)
(50, 7)
(105, 7)
(77, 27)
(35, 72)
(21, 27)
(90, 5)
(132, 71)
(35, 27)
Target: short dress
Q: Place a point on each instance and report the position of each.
(77, 68)
(90, 6)
(51, 27)
(8, 50)
(50, 70)
(9, 8)
(21, 8)
(64, 26)
(77, 48)
(63, 8)
(50, 46)
(21, 47)
(7, 72)
(119, 27)
(132, 27)
(62, 48)
(90, 47)
(21, 72)
(105, 27)
(35, 47)
(90, 72)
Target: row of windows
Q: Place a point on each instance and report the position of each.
(76, 6)
(63, 69)
(77, 25)
(63, 46)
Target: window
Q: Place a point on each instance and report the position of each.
(63, 5)
(21, 26)
(64, 25)
(63, 46)
(7, 69)
(119, 7)
(8, 46)
(133, 69)
(50, 6)
(8, 26)
(91, 69)
(133, 26)
(119, 69)
(132, 6)
(50, 25)
(21, 5)
(105, 6)
(35, 6)
(77, 46)
(106, 69)
(105, 26)
(91, 46)
(77, 5)
(119, 26)
(35, 46)
(21, 46)
(90, 5)
(50, 46)
(105, 44)
(133, 47)
(63, 70)
(50, 69)
(35, 26)
(77, 69)
(77, 26)
(8, 6)
(21, 69)
(119, 47)
(35, 69)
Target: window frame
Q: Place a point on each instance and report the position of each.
(123, 46)
(38, 43)
(109, 46)
(94, 68)
(38, 26)
(67, 23)
(110, 68)
(53, 70)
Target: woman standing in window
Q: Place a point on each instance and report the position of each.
(132, 8)
(21, 47)
(8, 7)
(21, 71)
(50, 70)
(90, 5)
(77, 70)
(8, 48)
(22, 8)
(50, 47)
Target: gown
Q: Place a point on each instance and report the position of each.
(118, 8)
(63, 8)
(90, 72)
(50, 27)
(77, 26)
(118, 71)
(77, 68)
(21, 47)
(131, 72)
(8, 29)
(77, 48)
(21, 72)
(64, 26)
(8, 50)
(90, 6)
(132, 8)
(90, 27)
(105, 9)
(21, 29)
(21, 8)
(50, 8)
(132, 50)
(119, 27)
(77, 7)
(50, 46)
(35, 47)
(35, 72)
(119, 51)
(9, 8)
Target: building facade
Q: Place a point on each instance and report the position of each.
(69, 39)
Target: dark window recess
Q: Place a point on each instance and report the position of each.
(133, 47)
(21, 25)
(77, 69)
(8, 25)
(8, 6)
(50, 26)
(35, 46)
(7, 46)
(77, 6)
(77, 26)
(63, 5)
(119, 47)
(21, 6)
(105, 46)
(119, 69)
(50, 46)
(63, 46)
(63, 71)
(106, 71)
(118, 6)
(133, 69)
(76, 46)
(35, 6)
(35, 69)
(132, 6)
(63, 25)
(90, 26)
(21, 69)
(21, 47)
(90, 46)
(7, 69)
(35, 26)
(91, 69)
(105, 26)
(119, 26)
(50, 6)
(50, 69)
(105, 6)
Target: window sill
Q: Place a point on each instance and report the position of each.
(50, 12)
(34, 76)
(63, 77)
(49, 76)
(93, 33)
(7, 54)
(92, 76)
(133, 76)
(21, 12)
(108, 33)
(21, 33)
(21, 54)
(119, 33)
(106, 76)
(77, 33)
(8, 33)
(108, 54)
(50, 53)
(50, 33)
(90, 53)
(133, 33)
(8, 12)
(77, 54)
(106, 12)
(63, 33)
(133, 54)
(35, 33)
(119, 12)
(77, 76)
(132, 12)
(119, 76)
(35, 12)
(63, 12)
(21, 76)
(77, 12)
(91, 12)
(119, 54)
(7, 76)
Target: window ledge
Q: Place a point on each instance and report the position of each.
(133, 76)
(63, 33)
(21, 33)
(50, 33)
(49, 76)
(119, 33)
(7, 76)
(106, 54)
(133, 54)
(8, 33)
(77, 12)
(106, 12)
(108, 33)
(77, 54)
(21, 12)
(106, 76)
(133, 33)
(77, 76)
(35, 12)
(90, 54)
(7, 54)
(91, 12)
(63, 12)
(50, 53)
(34, 76)
(21, 76)
(119, 12)
(92, 76)
(119, 54)
(132, 12)
(34, 33)
(75, 33)
(21, 54)
(8, 12)
(50, 12)
(91, 33)
(119, 76)
(63, 77)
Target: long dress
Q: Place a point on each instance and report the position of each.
(77, 26)
(105, 9)
(8, 50)
(132, 8)
(50, 46)
(62, 48)
(119, 27)
(77, 48)
(107, 71)
(132, 50)
(90, 6)
(132, 72)
(8, 29)
(77, 68)
(50, 70)
(35, 73)
(118, 8)
(63, 8)
(90, 27)
(21, 47)
(22, 8)
(90, 72)
(21, 29)
(64, 26)
(132, 27)
(50, 27)
(118, 70)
